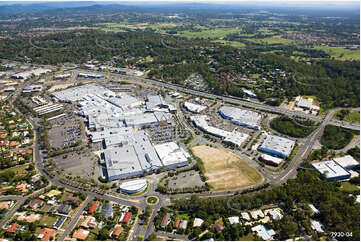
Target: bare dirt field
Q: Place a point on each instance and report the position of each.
(225, 170)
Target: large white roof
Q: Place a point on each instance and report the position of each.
(346, 161)
(330, 169)
(278, 144)
(196, 108)
(134, 185)
(170, 153)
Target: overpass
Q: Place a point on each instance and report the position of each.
(230, 99)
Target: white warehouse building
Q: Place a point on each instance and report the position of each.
(172, 155)
(246, 118)
(277, 146)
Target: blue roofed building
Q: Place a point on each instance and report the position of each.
(108, 211)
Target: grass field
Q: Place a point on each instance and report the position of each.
(225, 170)
(47, 220)
(271, 40)
(340, 53)
(348, 187)
(206, 33)
(160, 28)
(231, 43)
(18, 170)
(353, 116)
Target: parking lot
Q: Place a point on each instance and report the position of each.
(61, 120)
(69, 134)
(162, 134)
(189, 179)
(77, 163)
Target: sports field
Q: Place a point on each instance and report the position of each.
(340, 53)
(225, 170)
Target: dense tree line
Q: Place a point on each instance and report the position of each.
(336, 137)
(174, 59)
(338, 210)
(291, 127)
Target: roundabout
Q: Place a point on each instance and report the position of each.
(152, 200)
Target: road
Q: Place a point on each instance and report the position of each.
(75, 219)
(140, 202)
(232, 100)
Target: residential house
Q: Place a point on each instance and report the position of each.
(36, 203)
(118, 229)
(46, 234)
(64, 209)
(198, 222)
(127, 217)
(93, 207)
(89, 222)
(81, 234)
(165, 220)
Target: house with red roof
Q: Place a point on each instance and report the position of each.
(93, 207)
(14, 144)
(12, 228)
(45, 234)
(127, 217)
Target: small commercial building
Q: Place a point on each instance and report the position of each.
(270, 160)
(305, 103)
(249, 93)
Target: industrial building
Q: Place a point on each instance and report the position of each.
(32, 88)
(134, 186)
(88, 75)
(305, 103)
(233, 138)
(61, 76)
(246, 118)
(331, 170)
(194, 108)
(346, 162)
(172, 155)
(28, 74)
(277, 146)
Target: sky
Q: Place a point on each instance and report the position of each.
(325, 3)
(203, 1)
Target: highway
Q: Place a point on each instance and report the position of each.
(164, 199)
(232, 100)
